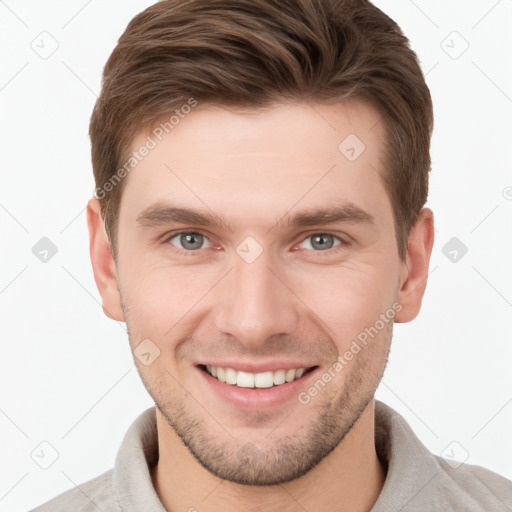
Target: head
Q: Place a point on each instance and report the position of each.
(261, 169)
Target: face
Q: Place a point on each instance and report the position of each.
(253, 244)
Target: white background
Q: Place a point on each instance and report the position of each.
(67, 374)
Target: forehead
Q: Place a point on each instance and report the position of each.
(260, 163)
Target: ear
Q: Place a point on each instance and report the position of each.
(103, 264)
(414, 274)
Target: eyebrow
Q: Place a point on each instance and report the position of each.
(348, 213)
(161, 214)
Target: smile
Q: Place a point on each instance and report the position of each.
(261, 380)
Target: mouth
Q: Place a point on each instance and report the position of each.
(262, 380)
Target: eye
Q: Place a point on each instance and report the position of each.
(189, 240)
(321, 241)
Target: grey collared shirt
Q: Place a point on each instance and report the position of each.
(416, 480)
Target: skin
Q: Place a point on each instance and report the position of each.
(295, 301)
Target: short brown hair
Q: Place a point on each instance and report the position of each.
(252, 53)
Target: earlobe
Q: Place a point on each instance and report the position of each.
(103, 264)
(415, 268)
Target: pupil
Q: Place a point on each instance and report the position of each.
(185, 239)
(322, 245)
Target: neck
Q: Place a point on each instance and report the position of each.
(350, 478)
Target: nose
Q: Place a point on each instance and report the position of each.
(255, 303)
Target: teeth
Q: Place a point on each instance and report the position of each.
(251, 380)
(245, 380)
(230, 376)
(264, 380)
(279, 377)
(221, 374)
(290, 375)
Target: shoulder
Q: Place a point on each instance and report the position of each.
(418, 479)
(480, 486)
(93, 495)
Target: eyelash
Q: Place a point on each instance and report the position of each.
(343, 244)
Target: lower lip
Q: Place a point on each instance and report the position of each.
(253, 399)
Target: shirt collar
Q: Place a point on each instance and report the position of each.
(410, 466)
(132, 471)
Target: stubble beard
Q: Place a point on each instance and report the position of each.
(272, 462)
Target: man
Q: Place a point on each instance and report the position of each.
(258, 223)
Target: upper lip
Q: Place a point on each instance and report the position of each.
(254, 367)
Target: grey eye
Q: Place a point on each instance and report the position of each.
(321, 241)
(189, 241)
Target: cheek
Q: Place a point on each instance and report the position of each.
(161, 296)
(346, 299)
